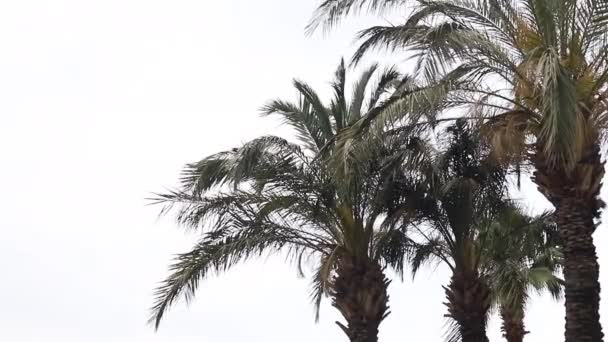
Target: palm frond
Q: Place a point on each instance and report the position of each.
(542, 278)
(359, 92)
(392, 247)
(339, 108)
(544, 13)
(494, 16)
(389, 78)
(320, 113)
(559, 134)
(452, 331)
(428, 251)
(239, 165)
(300, 117)
(321, 280)
(216, 252)
(331, 12)
(387, 37)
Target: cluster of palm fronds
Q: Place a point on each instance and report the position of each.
(389, 178)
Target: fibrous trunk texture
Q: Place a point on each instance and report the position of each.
(468, 302)
(359, 292)
(581, 272)
(513, 329)
(575, 196)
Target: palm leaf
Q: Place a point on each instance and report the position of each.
(359, 92)
(216, 252)
(331, 12)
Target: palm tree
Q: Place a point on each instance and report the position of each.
(453, 194)
(459, 211)
(520, 254)
(271, 196)
(538, 69)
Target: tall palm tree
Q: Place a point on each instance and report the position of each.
(453, 194)
(271, 195)
(539, 71)
(520, 254)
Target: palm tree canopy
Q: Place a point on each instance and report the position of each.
(453, 193)
(540, 66)
(272, 195)
(522, 253)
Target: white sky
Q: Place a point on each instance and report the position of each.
(101, 103)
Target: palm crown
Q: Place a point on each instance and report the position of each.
(460, 189)
(538, 68)
(272, 195)
(452, 194)
(521, 255)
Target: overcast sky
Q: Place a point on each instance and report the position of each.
(101, 103)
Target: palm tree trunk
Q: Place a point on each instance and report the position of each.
(513, 329)
(581, 271)
(468, 302)
(575, 196)
(359, 292)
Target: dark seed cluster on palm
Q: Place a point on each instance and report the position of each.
(415, 169)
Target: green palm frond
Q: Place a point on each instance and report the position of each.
(412, 107)
(216, 252)
(331, 12)
(321, 280)
(510, 284)
(388, 37)
(429, 251)
(544, 14)
(208, 173)
(339, 107)
(545, 279)
(359, 94)
(318, 109)
(561, 125)
(193, 210)
(237, 165)
(495, 16)
(393, 246)
(351, 145)
(302, 118)
(389, 78)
